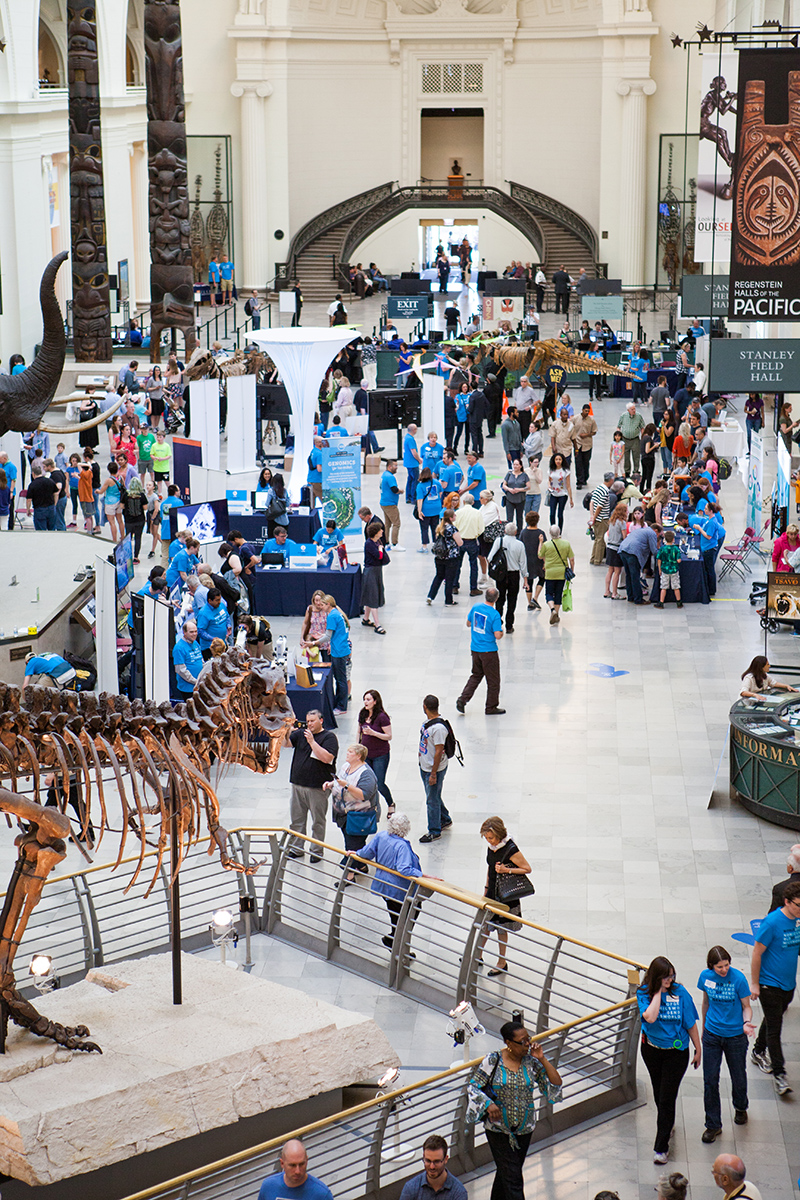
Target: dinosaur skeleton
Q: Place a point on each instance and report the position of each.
(203, 365)
(153, 760)
(534, 359)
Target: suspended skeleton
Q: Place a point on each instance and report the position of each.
(536, 357)
(155, 758)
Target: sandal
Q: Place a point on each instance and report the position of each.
(370, 623)
(379, 629)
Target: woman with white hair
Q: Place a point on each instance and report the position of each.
(391, 849)
(354, 793)
(493, 526)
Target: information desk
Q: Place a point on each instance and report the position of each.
(319, 696)
(287, 593)
(765, 757)
(302, 527)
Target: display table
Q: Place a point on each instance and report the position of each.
(320, 696)
(694, 586)
(730, 440)
(765, 757)
(287, 593)
(623, 386)
(302, 527)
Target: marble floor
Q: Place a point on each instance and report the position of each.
(614, 787)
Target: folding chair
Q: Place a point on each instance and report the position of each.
(21, 509)
(732, 563)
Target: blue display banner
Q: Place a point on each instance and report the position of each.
(341, 487)
(411, 308)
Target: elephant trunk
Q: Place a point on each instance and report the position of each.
(24, 398)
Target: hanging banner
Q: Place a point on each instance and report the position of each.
(765, 252)
(758, 365)
(715, 157)
(704, 295)
(755, 482)
(341, 486)
(503, 308)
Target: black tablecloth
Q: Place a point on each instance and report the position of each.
(623, 386)
(319, 696)
(694, 588)
(287, 593)
(302, 527)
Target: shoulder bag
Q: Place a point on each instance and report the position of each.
(569, 574)
(511, 888)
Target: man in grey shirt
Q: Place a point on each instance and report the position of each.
(512, 436)
(659, 397)
(516, 568)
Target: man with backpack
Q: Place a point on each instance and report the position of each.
(507, 564)
(486, 625)
(437, 745)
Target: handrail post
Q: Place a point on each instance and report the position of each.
(467, 986)
(92, 939)
(334, 925)
(271, 912)
(543, 1018)
(372, 1181)
(401, 945)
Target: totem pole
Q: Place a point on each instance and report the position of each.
(171, 290)
(91, 314)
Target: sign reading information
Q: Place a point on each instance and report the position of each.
(601, 308)
(765, 246)
(768, 365)
(409, 308)
(704, 295)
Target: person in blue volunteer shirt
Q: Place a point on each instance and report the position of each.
(669, 1023)
(449, 473)
(52, 665)
(462, 413)
(327, 540)
(11, 478)
(213, 281)
(314, 477)
(405, 361)
(773, 978)
(638, 367)
(712, 535)
(293, 1181)
(389, 500)
(431, 452)
(184, 563)
(213, 620)
(281, 543)
(476, 478)
(188, 659)
(336, 429)
(429, 506)
(411, 462)
(337, 637)
(156, 586)
(727, 1023)
(486, 627)
(596, 377)
(172, 500)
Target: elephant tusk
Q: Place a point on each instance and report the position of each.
(84, 424)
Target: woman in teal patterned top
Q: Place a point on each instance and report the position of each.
(502, 1094)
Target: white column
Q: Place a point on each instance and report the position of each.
(633, 177)
(255, 231)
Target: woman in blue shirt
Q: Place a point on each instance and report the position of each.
(669, 1023)
(712, 536)
(727, 1023)
(391, 848)
(429, 505)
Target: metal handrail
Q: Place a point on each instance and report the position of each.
(548, 207)
(329, 218)
(346, 1122)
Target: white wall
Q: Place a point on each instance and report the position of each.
(396, 245)
(446, 138)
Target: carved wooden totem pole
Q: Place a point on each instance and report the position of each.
(91, 313)
(767, 196)
(171, 290)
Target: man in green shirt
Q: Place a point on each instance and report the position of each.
(631, 425)
(145, 441)
(161, 454)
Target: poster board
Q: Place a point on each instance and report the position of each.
(341, 486)
(783, 596)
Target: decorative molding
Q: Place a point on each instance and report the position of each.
(243, 87)
(635, 87)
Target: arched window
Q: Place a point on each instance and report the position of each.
(134, 44)
(131, 65)
(51, 72)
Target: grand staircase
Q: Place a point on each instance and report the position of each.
(322, 250)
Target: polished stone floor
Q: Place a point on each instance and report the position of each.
(606, 783)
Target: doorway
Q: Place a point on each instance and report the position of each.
(448, 136)
(448, 233)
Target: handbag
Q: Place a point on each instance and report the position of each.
(361, 823)
(568, 571)
(510, 888)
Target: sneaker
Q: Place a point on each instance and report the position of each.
(761, 1059)
(658, 604)
(315, 858)
(680, 604)
(340, 712)
(152, 554)
(495, 712)
(429, 837)
(422, 550)
(710, 1135)
(447, 824)
(781, 1085)
(460, 706)
(475, 592)
(400, 549)
(660, 1159)
(535, 604)
(740, 1116)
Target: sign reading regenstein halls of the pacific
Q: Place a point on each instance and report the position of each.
(765, 245)
(768, 365)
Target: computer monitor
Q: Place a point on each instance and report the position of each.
(207, 521)
(668, 335)
(260, 501)
(624, 358)
(624, 335)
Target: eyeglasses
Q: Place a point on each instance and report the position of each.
(526, 1041)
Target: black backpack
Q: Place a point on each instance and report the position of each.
(587, 501)
(498, 567)
(248, 308)
(452, 746)
(724, 469)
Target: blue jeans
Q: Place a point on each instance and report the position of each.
(666, 458)
(339, 667)
(61, 508)
(45, 518)
(753, 426)
(735, 1051)
(412, 475)
(437, 813)
(533, 503)
(380, 766)
(470, 548)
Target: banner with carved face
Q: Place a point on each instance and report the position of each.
(765, 248)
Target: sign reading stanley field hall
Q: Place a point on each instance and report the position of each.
(754, 366)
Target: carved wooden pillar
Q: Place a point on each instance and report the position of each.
(171, 291)
(91, 313)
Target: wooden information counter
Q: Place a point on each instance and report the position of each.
(765, 757)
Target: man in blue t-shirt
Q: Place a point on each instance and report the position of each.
(184, 563)
(172, 500)
(390, 495)
(327, 540)
(336, 429)
(773, 976)
(281, 543)
(727, 1018)
(213, 620)
(293, 1181)
(314, 477)
(449, 473)
(487, 629)
(11, 477)
(475, 482)
(638, 367)
(187, 658)
(411, 462)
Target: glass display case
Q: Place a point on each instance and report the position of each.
(765, 756)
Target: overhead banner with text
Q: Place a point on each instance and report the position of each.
(765, 250)
(712, 237)
(758, 365)
(704, 295)
(341, 486)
